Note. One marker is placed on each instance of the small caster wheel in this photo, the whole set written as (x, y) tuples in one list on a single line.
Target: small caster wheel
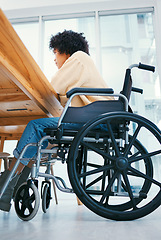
[(46, 197), (27, 201)]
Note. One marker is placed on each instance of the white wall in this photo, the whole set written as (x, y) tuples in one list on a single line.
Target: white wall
[(17, 4)]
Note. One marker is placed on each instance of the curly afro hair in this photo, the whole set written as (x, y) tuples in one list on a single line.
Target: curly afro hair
[(69, 42)]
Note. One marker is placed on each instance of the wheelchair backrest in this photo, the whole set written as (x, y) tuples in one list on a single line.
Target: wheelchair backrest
[(127, 86), (86, 113)]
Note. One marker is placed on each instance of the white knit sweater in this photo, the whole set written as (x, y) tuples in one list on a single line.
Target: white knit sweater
[(78, 70)]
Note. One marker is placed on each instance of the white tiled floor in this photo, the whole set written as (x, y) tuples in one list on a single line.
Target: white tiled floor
[(67, 220)]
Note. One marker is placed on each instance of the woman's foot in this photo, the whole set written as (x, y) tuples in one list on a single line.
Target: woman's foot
[(5, 200)]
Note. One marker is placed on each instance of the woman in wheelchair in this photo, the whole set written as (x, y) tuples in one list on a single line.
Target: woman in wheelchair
[(75, 69), (111, 166)]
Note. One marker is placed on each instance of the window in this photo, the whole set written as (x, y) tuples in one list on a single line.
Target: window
[(29, 34), (52, 27), (125, 40)]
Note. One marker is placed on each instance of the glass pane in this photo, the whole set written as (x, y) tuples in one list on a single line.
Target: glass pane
[(83, 25), (29, 34), (126, 40)]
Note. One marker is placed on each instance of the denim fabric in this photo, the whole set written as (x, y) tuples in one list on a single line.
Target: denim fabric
[(33, 132)]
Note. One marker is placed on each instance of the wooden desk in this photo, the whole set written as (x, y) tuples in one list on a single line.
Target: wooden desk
[(25, 93)]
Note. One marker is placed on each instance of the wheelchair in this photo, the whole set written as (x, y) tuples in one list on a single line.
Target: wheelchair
[(112, 167)]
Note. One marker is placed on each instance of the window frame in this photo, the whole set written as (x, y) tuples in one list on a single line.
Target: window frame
[(96, 9)]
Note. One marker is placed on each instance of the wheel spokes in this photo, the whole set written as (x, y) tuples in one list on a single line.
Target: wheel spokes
[(23, 208), (30, 208), (113, 139), (96, 150), (98, 170), (26, 201), (128, 187), (108, 189), (128, 147), (94, 182), (142, 175), (144, 156)]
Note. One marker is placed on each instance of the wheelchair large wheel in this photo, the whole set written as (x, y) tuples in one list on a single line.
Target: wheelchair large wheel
[(110, 166), (27, 201)]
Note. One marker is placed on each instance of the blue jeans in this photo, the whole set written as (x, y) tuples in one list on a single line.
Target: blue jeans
[(33, 132)]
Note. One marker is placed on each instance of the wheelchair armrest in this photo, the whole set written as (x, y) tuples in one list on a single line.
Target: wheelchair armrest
[(89, 90), (83, 91)]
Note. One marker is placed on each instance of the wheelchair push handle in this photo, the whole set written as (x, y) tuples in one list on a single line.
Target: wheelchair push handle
[(146, 67), (142, 66)]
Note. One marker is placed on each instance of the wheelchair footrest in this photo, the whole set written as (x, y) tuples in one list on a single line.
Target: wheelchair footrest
[(57, 181)]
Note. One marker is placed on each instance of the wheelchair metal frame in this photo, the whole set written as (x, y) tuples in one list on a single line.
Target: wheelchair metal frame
[(35, 169), (68, 139)]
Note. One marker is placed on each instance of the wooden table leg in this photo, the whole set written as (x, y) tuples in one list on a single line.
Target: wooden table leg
[(52, 172), (1, 149)]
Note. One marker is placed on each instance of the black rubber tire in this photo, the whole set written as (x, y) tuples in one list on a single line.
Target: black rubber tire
[(27, 201), (134, 207), (46, 198)]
